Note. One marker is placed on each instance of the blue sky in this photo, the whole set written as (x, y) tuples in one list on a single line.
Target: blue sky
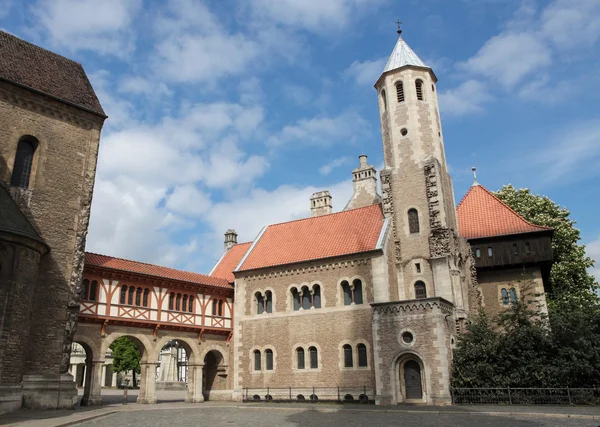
[(231, 113)]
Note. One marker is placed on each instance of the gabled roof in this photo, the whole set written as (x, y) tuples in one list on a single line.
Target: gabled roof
[(326, 236), (401, 56), (229, 261), (39, 69), (97, 260), (481, 214), (13, 221)]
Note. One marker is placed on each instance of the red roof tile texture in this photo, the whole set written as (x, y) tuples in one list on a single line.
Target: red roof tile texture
[(325, 236), (229, 261), (113, 263), (481, 214)]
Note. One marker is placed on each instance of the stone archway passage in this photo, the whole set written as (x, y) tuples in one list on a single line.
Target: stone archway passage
[(212, 361), (412, 380)]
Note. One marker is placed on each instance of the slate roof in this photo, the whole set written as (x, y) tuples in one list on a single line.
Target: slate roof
[(229, 261), (401, 56), (13, 221), (481, 214), (343, 233), (39, 69), (92, 259)]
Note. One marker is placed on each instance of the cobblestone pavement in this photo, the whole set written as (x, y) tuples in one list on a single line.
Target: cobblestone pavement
[(284, 417)]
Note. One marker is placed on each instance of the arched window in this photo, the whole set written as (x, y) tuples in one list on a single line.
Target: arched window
[(178, 302), (138, 297), (85, 285), (146, 294), (347, 293), (513, 295), (420, 290), (184, 303), (260, 303), (93, 291), (296, 298), (357, 295), (256, 360), (362, 355), (269, 302), (504, 293), (130, 297), (348, 356), (306, 298), (316, 296), (400, 91), (384, 99), (123, 294), (220, 307), (171, 300), (269, 360), (191, 304), (23, 162), (214, 307), (413, 221), (419, 87), (314, 359), (300, 357)]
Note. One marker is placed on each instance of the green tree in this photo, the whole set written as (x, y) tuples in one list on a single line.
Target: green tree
[(569, 278), (126, 356)]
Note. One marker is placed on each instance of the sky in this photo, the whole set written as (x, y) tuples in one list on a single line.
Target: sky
[(231, 113)]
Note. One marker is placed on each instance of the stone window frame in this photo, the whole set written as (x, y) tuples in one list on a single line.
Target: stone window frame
[(263, 292), (397, 82), (263, 359), (401, 341), (310, 285), (406, 226), (307, 367), (508, 287), (354, 344), (413, 292), (38, 149), (417, 80), (350, 280)]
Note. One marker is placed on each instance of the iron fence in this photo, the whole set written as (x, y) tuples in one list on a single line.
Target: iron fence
[(310, 394), (527, 396)]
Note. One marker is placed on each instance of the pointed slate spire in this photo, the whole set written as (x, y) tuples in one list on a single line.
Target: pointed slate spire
[(402, 55)]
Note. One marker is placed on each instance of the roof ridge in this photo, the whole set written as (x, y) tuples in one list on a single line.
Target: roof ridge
[(326, 215), (147, 263)]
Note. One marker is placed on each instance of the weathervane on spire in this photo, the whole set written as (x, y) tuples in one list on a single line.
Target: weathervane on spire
[(398, 22)]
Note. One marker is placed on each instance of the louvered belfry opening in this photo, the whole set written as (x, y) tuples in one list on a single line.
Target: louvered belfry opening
[(419, 86), (400, 91)]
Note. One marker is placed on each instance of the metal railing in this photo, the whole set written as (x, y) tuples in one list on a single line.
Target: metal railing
[(527, 396), (310, 394)]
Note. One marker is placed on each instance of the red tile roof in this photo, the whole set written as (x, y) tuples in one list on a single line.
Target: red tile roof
[(481, 214), (229, 261), (325, 236), (152, 270)]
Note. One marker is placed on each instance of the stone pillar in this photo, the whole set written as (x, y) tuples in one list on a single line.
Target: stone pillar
[(73, 371), (93, 390), (87, 381), (148, 385), (114, 380), (195, 380), (103, 376)]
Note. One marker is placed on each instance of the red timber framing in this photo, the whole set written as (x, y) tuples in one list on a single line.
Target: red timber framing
[(156, 311)]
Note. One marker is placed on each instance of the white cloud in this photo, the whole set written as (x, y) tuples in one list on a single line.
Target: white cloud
[(335, 163), (593, 251), (468, 98), (572, 24), (103, 27), (366, 72), (188, 200), (142, 86)]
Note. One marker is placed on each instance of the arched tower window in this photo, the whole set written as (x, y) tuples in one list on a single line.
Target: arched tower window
[(306, 298), (23, 162), (362, 355), (316, 296), (420, 290), (384, 99), (347, 293), (269, 302), (269, 360), (413, 221), (296, 298), (260, 303), (347, 356), (300, 357), (419, 87), (314, 357), (400, 91), (256, 360)]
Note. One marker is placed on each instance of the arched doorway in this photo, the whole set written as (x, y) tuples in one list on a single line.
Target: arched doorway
[(211, 378), (174, 380), (413, 385)]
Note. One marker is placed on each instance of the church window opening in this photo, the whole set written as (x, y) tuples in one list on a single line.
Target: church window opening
[(123, 294), (300, 357), (477, 253), (348, 356), (407, 337), (269, 302), (257, 360), (400, 91), (347, 293), (269, 360), (384, 99), (23, 162), (413, 221), (504, 294), (419, 87), (362, 355), (314, 357), (260, 303), (513, 295), (146, 294), (420, 290), (130, 296), (316, 296), (306, 298), (357, 295), (490, 252), (296, 298), (418, 267)]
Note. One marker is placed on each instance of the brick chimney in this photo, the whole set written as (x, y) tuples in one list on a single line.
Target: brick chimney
[(364, 178), (230, 239), (320, 203)]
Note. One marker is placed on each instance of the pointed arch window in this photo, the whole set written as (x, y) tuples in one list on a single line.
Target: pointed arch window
[(400, 91), (420, 290), (419, 88), (23, 162), (413, 221), (362, 355), (504, 294), (348, 356)]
